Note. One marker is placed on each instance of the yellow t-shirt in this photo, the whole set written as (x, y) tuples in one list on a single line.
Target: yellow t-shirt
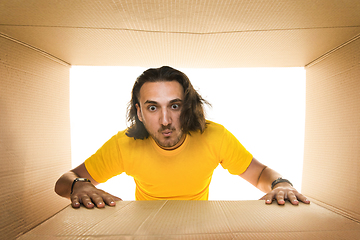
[(180, 174)]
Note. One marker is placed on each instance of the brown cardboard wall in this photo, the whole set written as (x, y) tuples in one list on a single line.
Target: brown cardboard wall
[(183, 33), (34, 135), (332, 135), (208, 220)]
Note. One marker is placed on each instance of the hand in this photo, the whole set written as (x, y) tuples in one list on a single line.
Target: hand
[(87, 194), (282, 192)]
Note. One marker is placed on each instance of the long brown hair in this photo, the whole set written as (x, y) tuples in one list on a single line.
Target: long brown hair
[(192, 117)]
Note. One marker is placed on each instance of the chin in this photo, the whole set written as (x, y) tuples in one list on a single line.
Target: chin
[(167, 144)]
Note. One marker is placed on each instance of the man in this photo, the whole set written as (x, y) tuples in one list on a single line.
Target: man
[(170, 149)]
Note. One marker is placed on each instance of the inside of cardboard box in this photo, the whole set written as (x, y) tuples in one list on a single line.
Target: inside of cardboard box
[(40, 40), (198, 220)]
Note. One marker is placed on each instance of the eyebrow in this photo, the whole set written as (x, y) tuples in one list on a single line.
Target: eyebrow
[(154, 102), (176, 100), (150, 102)]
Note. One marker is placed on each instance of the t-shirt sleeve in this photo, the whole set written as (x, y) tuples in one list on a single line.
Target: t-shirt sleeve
[(233, 155), (106, 162)]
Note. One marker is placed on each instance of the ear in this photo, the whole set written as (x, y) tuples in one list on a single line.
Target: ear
[(138, 111)]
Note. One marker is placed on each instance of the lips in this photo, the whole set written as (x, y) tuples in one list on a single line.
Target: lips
[(166, 133)]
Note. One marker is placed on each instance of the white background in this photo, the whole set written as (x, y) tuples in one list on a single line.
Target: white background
[(263, 107)]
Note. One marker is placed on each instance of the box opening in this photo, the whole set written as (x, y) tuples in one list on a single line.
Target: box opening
[(267, 116)]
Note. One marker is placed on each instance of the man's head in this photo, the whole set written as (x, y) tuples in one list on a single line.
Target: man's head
[(165, 105)]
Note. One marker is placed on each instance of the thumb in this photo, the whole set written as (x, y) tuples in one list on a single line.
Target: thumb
[(263, 197), (116, 198)]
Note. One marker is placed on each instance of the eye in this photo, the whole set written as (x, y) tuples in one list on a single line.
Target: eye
[(175, 106), (152, 108)]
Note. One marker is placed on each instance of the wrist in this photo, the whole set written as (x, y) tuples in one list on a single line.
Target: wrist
[(78, 180), (280, 182)]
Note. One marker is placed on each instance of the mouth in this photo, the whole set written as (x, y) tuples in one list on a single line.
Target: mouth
[(166, 133)]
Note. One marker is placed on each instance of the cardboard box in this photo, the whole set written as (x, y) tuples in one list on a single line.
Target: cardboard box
[(40, 40), (197, 220)]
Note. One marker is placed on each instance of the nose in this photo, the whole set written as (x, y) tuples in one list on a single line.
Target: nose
[(165, 118)]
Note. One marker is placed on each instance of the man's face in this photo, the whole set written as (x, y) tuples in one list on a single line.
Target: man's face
[(159, 111)]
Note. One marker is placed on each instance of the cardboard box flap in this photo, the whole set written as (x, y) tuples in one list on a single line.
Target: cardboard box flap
[(332, 133), (196, 220), (182, 33), (34, 136)]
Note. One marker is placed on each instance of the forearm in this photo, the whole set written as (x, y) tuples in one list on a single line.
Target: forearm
[(84, 192), (283, 189), (266, 178), (63, 185), (262, 177)]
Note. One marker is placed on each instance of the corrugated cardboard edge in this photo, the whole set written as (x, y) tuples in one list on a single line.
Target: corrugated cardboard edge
[(324, 56), (198, 220), (48, 55), (352, 216), (30, 229)]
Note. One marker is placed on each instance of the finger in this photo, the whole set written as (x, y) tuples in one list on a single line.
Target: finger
[(110, 200), (116, 198), (302, 198), (86, 201), (268, 198), (280, 197), (75, 203), (292, 198), (97, 200)]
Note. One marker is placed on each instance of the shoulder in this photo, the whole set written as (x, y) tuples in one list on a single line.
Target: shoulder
[(216, 130), (213, 127), (213, 131), (121, 135), (119, 139), (123, 139)]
